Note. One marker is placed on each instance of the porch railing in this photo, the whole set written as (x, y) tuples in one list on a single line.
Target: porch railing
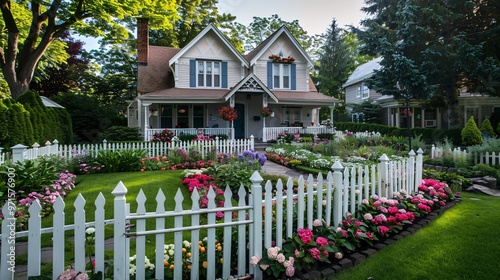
[(271, 133), (148, 135)]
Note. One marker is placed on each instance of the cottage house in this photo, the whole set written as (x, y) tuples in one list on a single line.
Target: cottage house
[(420, 114), (183, 89)]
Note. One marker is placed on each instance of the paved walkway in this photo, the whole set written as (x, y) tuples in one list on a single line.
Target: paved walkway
[(277, 169)]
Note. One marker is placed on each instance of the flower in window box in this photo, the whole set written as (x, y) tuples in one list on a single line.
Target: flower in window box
[(265, 112), (406, 113), (228, 113)]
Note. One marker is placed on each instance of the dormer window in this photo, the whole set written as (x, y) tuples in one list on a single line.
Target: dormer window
[(209, 73)]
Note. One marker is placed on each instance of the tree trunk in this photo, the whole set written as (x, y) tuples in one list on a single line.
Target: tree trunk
[(452, 117)]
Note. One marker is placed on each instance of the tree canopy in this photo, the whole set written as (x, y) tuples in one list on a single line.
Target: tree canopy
[(433, 48), (32, 29)]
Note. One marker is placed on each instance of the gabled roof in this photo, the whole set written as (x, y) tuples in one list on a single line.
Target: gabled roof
[(256, 53), (363, 72), (49, 103), (251, 83), (218, 33), (155, 76)]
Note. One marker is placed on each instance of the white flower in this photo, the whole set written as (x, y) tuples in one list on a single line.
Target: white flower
[(90, 230)]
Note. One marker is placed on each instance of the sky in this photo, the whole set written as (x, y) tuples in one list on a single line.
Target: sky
[(315, 16)]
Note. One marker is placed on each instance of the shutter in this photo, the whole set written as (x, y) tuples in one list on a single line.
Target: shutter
[(192, 73), (269, 75), (224, 74), (293, 77)]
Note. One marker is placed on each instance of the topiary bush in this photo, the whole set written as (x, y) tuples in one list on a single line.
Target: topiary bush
[(471, 135), (486, 127)]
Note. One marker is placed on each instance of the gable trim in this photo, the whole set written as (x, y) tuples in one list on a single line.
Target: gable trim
[(275, 37), (246, 79), (218, 33)]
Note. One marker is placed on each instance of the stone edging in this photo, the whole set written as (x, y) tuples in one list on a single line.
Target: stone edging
[(359, 257)]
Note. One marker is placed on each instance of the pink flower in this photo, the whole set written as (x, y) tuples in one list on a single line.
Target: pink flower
[(317, 223), (315, 253), (254, 260), (321, 241), (368, 216), (280, 258), (383, 230), (305, 235), (272, 253), (290, 271)]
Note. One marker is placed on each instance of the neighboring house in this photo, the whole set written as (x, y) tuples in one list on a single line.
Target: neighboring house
[(394, 111), (183, 89)]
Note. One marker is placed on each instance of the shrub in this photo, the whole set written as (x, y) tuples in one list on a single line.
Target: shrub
[(121, 133), (471, 135), (165, 136), (327, 136), (486, 127), (120, 160)]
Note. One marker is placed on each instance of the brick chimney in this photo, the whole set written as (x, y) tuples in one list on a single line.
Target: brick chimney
[(142, 41)]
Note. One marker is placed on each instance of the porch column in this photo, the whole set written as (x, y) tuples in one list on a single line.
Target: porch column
[(139, 116), (331, 113), (146, 120)]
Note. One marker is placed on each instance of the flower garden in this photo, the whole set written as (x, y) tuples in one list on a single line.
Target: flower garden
[(308, 249)]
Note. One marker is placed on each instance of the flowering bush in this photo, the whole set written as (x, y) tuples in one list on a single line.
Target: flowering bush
[(302, 251), (202, 183), (165, 136), (71, 274), (265, 112), (228, 113)]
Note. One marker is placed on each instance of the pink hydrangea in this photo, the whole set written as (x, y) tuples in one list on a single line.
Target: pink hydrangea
[(321, 241), (290, 271), (315, 253), (305, 235), (254, 260), (272, 253)]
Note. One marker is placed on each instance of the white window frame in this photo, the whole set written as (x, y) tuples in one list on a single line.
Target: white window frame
[(281, 74), (212, 77), (365, 91), (358, 91)]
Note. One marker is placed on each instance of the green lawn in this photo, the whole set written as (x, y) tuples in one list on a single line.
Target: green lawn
[(463, 243)]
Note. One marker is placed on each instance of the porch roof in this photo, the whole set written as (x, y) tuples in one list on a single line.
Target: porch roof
[(196, 95), (173, 95)]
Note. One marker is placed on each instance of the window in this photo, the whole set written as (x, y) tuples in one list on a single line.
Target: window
[(358, 91), (198, 116), (166, 115), (281, 75), (292, 116), (182, 116), (209, 73), (365, 92)]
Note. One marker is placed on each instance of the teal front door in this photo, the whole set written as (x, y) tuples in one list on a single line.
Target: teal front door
[(239, 123)]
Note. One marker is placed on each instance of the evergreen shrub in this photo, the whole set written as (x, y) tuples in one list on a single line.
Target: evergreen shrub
[(471, 135)]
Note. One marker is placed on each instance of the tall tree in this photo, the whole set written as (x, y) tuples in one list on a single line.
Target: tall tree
[(64, 77), (193, 17), (261, 28), (431, 48), (336, 62), (31, 27)]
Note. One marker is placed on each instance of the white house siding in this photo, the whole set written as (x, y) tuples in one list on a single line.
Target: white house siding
[(350, 94), (285, 46), (210, 48)]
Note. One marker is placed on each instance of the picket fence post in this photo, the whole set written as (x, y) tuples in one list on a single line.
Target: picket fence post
[(411, 172), (419, 167), (337, 196), (120, 240), (256, 201), (18, 153), (384, 174)]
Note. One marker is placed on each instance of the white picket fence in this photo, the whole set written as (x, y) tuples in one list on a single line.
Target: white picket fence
[(234, 146), (327, 199), (489, 158)]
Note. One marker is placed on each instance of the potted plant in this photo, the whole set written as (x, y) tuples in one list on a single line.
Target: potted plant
[(265, 112), (228, 113)]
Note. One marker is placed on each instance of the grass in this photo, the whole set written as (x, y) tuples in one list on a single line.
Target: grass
[(460, 244)]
